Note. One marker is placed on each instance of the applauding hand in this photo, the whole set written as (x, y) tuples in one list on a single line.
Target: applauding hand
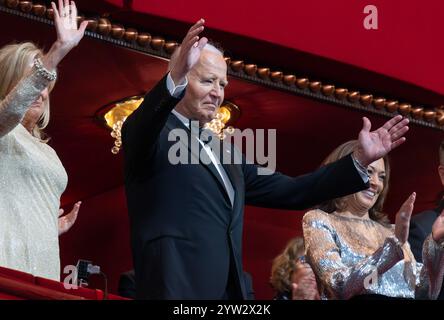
[(402, 223)]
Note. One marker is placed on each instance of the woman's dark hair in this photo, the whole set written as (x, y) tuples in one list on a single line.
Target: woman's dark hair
[(338, 204)]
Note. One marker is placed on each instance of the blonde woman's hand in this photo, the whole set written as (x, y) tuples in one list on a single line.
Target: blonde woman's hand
[(68, 34), (68, 220), (65, 21)]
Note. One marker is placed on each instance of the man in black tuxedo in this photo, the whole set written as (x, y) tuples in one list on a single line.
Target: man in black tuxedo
[(421, 224), (187, 219)]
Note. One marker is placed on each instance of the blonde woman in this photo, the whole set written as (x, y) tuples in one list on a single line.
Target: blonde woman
[(356, 253), (32, 176)]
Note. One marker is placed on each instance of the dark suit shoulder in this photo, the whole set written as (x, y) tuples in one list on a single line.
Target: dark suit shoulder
[(424, 219), (420, 228)]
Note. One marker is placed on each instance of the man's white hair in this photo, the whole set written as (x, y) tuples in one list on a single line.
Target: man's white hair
[(208, 47), (212, 48)]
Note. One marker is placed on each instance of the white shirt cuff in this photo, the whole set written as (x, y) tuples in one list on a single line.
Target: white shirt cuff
[(361, 170), (174, 90)]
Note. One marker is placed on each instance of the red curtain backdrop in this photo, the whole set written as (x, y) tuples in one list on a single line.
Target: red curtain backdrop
[(408, 46)]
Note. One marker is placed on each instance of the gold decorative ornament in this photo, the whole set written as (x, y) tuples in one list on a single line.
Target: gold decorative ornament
[(440, 118), (353, 96), (379, 103), (237, 65), (50, 13), (328, 90), (366, 100), (263, 73), (118, 112), (130, 35), (92, 24), (170, 47), (117, 31), (341, 93), (25, 6), (289, 79), (404, 109), (276, 76), (157, 43), (250, 69), (104, 27), (12, 3), (143, 39), (417, 112), (39, 10), (302, 83), (429, 116), (392, 106)]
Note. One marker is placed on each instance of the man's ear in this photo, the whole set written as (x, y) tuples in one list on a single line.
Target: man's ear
[(441, 173)]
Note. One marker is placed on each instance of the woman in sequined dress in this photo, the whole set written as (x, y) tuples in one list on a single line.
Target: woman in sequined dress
[(32, 176), (355, 251)]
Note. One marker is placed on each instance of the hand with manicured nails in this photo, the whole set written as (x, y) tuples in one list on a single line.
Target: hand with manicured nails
[(68, 34), (402, 223), (65, 21)]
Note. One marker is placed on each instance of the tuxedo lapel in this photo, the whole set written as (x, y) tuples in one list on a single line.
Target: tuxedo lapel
[(174, 123), (234, 174)]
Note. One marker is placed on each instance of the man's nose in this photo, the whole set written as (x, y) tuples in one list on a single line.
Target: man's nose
[(216, 91)]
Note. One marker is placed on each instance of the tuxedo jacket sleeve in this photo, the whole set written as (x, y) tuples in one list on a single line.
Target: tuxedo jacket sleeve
[(142, 128), (283, 192), (141, 131)]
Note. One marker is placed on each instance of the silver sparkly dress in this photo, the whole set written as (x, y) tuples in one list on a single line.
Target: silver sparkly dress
[(32, 179), (354, 256)]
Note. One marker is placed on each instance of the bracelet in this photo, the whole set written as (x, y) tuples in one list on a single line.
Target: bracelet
[(43, 72)]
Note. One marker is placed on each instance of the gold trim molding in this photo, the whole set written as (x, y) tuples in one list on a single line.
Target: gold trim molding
[(105, 30)]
